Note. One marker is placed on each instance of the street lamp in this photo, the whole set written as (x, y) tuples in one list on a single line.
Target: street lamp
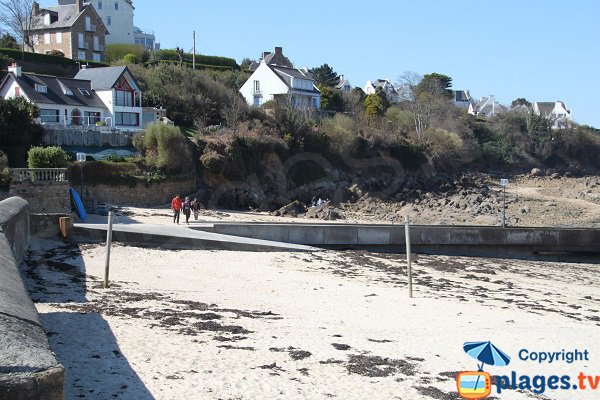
[(81, 159)]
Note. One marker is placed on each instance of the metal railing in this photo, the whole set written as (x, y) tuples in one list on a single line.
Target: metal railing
[(38, 174)]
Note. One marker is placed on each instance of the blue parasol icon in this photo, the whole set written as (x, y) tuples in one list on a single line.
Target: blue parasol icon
[(487, 353)]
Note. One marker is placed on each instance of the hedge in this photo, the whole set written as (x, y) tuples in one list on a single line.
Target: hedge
[(45, 58), (190, 65), (47, 157), (208, 61)]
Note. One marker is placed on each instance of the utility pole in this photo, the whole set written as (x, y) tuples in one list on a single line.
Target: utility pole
[(194, 56)]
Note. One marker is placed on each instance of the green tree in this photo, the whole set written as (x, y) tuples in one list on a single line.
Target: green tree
[(245, 64), (18, 131), (331, 99), (165, 148), (520, 102), (325, 75), (374, 106), (436, 85), (8, 41)]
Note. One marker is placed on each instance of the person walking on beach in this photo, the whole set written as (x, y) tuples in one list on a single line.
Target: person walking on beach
[(187, 209), (195, 208), (176, 207)]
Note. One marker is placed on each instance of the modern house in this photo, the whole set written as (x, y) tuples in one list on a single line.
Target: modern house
[(108, 96), (556, 111), (75, 29), (462, 98), (487, 107), (275, 77), (387, 87), (117, 15)]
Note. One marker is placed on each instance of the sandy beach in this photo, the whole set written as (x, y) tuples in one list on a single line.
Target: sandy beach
[(231, 325)]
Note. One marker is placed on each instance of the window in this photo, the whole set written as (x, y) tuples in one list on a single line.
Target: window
[(81, 55), (81, 40), (59, 37), (96, 43), (47, 38), (17, 91), (49, 115), (91, 117), (47, 19), (256, 102), (108, 20), (84, 91), (88, 23), (99, 5), (41, 88), (127, 119), (116, 6), (97, 57), (256, 86), (124, 98)]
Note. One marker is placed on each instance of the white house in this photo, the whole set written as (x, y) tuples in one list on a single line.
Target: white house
[(555, 111), (275, 77), (109, 95), (386, 86), (487, 106)]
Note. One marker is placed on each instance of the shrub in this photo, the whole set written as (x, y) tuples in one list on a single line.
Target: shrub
[(210, 61), (4, 171), (56, 53), (445, 147), (45, 58), (131, 58), (47, 157), (118, 52), (342, 133), (116, 158), (165, 148)]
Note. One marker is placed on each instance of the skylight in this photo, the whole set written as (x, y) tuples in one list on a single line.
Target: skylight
[(41, 88), (84, 91)]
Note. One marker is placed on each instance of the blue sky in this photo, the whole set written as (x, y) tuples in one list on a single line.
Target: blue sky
[(541, 50)]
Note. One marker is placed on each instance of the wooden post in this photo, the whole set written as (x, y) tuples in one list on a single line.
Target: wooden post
[(409, 268), (108, 244)]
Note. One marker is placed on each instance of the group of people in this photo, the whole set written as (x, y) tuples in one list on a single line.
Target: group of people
[(317, 202), (186, 206)]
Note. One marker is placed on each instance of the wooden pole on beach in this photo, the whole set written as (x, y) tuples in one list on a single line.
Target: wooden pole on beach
[(409, 269), (108, 244)]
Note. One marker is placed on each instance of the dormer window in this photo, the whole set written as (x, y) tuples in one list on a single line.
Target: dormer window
[(84, 91), (68, 92), (47, 19), (41, 88)]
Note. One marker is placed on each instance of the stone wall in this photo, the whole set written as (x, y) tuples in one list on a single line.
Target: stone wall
[(44, 197), (140, 195), (99, 137), (29, 369)]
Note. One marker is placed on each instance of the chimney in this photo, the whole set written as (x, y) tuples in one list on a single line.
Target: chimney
[(15, 69), (279, 51), (35, 8), (264, 54), (80, 5)]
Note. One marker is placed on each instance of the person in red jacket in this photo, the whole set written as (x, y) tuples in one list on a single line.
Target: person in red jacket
[(176, 207)]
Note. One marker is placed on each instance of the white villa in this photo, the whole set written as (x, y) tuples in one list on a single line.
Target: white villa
[(108, 95), (388, 88), (556, 111), (276, 77), (487, 106)]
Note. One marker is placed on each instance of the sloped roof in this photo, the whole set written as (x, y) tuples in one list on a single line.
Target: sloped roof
[(545, 107), (462, 95), (104, 78), (286, 75), (67, 15), (55, 92), (279, 60)]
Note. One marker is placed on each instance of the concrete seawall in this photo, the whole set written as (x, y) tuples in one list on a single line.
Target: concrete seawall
[(28, 368), (435, 239)]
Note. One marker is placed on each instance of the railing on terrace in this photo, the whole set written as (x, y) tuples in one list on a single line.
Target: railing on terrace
[(38, 174)]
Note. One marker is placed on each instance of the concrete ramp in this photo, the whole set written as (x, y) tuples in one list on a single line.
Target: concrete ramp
[(180, 236)]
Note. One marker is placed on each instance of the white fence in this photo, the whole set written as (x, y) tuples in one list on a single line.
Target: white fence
[(38, 175)]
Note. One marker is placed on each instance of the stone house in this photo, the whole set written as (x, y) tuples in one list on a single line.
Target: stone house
[(75, 29)]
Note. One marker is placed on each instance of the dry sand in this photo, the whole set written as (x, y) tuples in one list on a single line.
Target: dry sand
[(195, 324)]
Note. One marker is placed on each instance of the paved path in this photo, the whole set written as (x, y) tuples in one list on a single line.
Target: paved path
[(172, 236)]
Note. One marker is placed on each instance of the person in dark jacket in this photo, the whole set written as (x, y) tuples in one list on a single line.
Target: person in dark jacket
[(195, 208), (186, 207)]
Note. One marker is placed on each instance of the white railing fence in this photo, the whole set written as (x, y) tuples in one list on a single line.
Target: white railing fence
[(38, 175)]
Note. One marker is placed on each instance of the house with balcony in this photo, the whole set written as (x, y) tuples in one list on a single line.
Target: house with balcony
[(74, 29), (97, 96), (275, 77)]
